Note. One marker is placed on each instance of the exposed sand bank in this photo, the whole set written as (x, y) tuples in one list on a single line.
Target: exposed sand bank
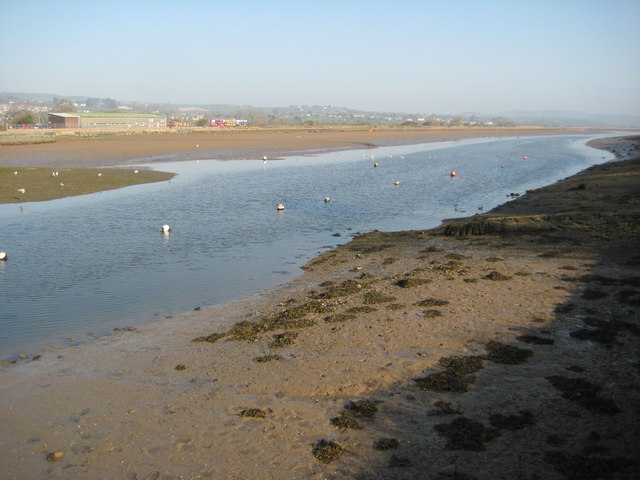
[(224, 144), (554, 275)]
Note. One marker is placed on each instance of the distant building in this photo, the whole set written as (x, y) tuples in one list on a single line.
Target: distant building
[(106, 120)]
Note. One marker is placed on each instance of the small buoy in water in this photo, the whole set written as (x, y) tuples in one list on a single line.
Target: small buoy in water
[(165, 229), (524, 158), (3, 256), (327, 200), (397, 183), (453, 173), (375, 164), (280, 206)]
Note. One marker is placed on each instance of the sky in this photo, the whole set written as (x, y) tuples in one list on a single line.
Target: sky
[(422, 56)]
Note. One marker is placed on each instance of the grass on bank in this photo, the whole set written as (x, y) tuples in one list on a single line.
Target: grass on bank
[(40, 184)]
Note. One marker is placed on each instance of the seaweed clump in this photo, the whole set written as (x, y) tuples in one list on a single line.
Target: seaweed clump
[(386, 444), (343, 289), (340, 317), (447, 381), (432, 302), (411, 282), (466, 434), (361, 409), (326, 451), (456, 378), (535, 340), (584, 393), (373, 297), (462, 365), (267, 358), (512, 422), (354, 411), (497, 277), (282, 340), (253, 413), (506, 354)]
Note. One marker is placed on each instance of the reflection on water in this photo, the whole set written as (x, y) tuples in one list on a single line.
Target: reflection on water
[(92, 263)]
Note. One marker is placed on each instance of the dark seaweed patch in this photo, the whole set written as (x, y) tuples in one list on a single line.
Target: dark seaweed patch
[(386, 444), (584, 393), (455, 256), (512, 422), (535, 340), (253, 413), (495, 259), (462, 365), (446, 381), (411, 282), (326, 451), (431, 302), (431, 249), (363, 309), (497, 277), (282, 340), (340, 317), (373, 297), (431, 313), (395, 306), (361, 409), (213, 338), (267, 358), (389, 261), (343, 289), (181, 366), (466, 434), (506, 354), (346, 422)]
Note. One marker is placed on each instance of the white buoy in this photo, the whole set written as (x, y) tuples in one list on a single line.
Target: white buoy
[(135, 171), (327, 199), (280, 207), (396, 183), (3, 256), (22, 190), (100, 174), (15, 173), (165, 229)]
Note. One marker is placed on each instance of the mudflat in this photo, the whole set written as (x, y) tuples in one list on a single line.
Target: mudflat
[(91, 149), (504, 345)]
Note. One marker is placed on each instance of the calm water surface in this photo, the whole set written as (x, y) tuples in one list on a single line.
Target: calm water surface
[(81, 266)]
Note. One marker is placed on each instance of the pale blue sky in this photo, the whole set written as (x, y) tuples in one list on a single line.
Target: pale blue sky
[(487, 56)]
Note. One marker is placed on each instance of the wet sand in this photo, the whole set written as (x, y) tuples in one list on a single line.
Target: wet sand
[(504, 345), (79, 151)]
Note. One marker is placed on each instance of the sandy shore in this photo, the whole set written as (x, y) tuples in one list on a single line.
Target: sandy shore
[(224, 144), (500, 346)]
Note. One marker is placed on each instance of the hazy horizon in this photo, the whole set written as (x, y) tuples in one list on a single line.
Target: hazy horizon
[(405, 56)]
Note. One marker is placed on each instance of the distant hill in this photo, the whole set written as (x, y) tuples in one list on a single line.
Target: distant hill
[(342, 115), (558, 118)]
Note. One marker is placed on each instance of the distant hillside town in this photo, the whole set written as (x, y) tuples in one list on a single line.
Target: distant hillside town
[(30, 110)]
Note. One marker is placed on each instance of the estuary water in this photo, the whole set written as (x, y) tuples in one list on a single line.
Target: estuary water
[(80, 267)]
